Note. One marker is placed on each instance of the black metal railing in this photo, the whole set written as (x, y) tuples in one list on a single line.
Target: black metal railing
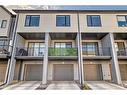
[(33, 51), (4, 49), (100, 51), (63, 51)]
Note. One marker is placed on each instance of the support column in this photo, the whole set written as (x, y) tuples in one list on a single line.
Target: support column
[(115, 65), (108, 41), (80, 58), (12, 62), (45, 63)]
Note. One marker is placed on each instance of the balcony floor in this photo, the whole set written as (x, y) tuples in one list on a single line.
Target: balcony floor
[(30, 57), (97, 57)]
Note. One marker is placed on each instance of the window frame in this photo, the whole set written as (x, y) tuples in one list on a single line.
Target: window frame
[(65, 21), (3, 23), (92, 22), (29, 25), (125, 19)]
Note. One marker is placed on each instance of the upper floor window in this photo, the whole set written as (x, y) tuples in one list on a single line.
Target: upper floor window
[(122, 21), (93, 21), (4, 24), (32, 20), (62, 20)]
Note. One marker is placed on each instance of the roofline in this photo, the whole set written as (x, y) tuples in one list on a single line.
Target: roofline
[(7, 10), (38, 11)]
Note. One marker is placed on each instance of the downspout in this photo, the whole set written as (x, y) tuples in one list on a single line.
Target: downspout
[(80, 54)]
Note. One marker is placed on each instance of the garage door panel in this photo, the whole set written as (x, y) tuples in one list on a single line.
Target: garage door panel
[(3, 68), (34, 72), (63, 72), (92, 72), (123, 71)]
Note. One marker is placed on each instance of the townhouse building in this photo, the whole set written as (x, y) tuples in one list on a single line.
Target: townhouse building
[(6, 31), (69, 45)]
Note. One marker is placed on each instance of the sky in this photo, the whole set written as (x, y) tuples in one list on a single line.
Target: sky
[(70, 7)]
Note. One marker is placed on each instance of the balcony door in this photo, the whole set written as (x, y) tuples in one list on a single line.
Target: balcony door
[(120, 48), (61, 48), (63, 45), (90, 48), (36, 49)]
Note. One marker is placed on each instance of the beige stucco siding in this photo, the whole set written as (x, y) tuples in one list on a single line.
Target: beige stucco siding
[(47, 23), (4, 16), (108, 21)]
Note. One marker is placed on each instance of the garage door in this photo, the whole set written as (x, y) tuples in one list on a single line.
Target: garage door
[(92, 72), (2, 72), (34, 72), (123, 71), (63, 72)]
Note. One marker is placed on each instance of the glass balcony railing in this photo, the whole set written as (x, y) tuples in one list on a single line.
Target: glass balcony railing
[(62, 51), (33, 51), (101, 51)]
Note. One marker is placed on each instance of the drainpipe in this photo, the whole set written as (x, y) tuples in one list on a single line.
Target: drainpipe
[(80, 54)]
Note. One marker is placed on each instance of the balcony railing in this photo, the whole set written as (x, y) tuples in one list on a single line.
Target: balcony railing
[(4, 49), (101, 51), (25, 51), (62, 51), (122, 52)]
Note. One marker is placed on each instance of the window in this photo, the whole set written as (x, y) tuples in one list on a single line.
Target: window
[(93, 21), (122, 21), (90, 48), (36, 49), (4, 23), (63, 20), (63, 45), (32, 20)]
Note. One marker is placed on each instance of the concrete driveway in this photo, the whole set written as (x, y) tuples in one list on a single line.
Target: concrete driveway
[(24, 85), (102, 85), (63, 85)]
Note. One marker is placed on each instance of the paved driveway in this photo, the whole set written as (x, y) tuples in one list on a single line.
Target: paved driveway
[(63, 85), (101, 85), (24, 85)]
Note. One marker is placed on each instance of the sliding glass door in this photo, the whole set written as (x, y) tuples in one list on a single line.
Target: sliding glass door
[(36, 49)]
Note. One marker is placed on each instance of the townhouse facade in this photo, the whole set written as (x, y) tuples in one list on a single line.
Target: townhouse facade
[(7, 20), (69, 45)]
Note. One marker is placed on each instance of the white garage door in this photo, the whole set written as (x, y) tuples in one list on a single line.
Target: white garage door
[(92, 72), (63, 72), (34, 72), (3, 68)]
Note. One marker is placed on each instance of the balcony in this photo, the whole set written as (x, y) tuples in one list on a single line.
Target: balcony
[(122, 53), (65, 53), (4, 51), (100, 53), (30, 53)]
